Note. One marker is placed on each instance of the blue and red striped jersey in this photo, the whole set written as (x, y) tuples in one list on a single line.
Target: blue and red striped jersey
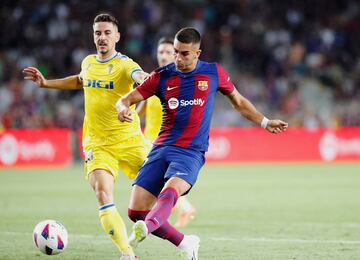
[(188, 102)]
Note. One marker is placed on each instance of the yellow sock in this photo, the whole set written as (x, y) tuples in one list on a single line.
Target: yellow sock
[(113, 225)]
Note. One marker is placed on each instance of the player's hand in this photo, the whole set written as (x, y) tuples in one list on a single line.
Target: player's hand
[(140, 77), (125, 115), (276, 126), (35, 75), (124, 112)]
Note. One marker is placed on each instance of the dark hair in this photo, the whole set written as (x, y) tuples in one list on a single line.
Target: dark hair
[(188, 35), (163, 40), (106, 18)]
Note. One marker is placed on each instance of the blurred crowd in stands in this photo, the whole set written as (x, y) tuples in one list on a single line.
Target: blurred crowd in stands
[(295, 60)]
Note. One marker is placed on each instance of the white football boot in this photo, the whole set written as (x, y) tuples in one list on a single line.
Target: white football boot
[(190, 245), (128, 257), (139, 233)]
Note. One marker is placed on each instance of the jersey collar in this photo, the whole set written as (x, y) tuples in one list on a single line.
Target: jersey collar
[(106, 60), (190, 72)]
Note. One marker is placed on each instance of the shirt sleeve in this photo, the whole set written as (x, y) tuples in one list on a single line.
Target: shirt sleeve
[(81, 74), (150, 86), (226, 87), (131, 68)]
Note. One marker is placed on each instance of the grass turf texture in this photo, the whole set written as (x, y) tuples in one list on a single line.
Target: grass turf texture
[(244, 212)]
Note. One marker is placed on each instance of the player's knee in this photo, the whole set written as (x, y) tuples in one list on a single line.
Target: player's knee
[(103, 196)]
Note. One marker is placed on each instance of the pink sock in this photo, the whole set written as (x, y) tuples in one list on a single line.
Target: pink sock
[(162, 210), (165, 231)]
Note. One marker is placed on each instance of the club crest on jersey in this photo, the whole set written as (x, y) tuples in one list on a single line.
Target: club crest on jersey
[(110, 67), (203, 85)]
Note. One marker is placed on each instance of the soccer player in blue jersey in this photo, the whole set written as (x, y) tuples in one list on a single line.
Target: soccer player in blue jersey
[(187, 90), (153, 111)]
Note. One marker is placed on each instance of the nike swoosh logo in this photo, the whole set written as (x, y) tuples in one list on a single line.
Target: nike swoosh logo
[(180, 173), (156, 221), (171, 88)]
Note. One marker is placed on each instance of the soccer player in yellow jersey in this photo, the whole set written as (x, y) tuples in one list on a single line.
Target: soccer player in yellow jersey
[(153, 110), (109, 145)]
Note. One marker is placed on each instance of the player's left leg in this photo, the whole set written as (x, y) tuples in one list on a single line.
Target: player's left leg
[(102, 183), (181, 175), (165, 202), (156, 220), (146, 188), (140, 205)]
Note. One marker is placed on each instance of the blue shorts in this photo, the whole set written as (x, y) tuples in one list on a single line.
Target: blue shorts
[(164, 162)]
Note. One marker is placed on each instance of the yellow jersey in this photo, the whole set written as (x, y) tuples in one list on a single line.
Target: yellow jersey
[(153, 118), (104, 82)]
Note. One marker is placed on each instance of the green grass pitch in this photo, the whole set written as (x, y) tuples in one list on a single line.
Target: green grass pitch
[(244, 212)]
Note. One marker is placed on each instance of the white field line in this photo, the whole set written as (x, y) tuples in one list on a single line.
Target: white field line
[(352, 225), (100, 238), (97, 239), (286, 240)]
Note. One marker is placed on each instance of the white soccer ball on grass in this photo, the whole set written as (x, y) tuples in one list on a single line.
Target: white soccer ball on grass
[(50, 237)]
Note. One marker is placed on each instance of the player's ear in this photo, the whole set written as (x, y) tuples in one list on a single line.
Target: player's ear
[(118, 36), (198, 52)]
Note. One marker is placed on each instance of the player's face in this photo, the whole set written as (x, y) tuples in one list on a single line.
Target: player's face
[(106, 36), (186, 55), (165, 54)]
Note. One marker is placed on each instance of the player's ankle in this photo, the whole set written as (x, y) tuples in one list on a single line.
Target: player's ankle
[(128, 251), (185, 243)]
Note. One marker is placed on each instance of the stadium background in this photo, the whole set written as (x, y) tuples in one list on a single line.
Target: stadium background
[(295, 60)]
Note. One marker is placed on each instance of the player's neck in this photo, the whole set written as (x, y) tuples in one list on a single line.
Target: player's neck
[(190, 68), (107, 55)]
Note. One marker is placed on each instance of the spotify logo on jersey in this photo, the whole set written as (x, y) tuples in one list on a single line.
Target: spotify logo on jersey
[(173, 103)]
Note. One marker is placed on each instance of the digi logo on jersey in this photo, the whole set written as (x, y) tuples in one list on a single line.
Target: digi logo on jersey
[(174, 102), (93, 83)]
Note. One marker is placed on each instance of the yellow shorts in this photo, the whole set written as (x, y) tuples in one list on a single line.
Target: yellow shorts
[(128, 156)]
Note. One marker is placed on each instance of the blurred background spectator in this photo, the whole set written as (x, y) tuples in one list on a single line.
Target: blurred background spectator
[(296, 60)]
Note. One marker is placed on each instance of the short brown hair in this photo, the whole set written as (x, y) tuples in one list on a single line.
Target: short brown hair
[(188, 35), (106, 18), (168, 40)]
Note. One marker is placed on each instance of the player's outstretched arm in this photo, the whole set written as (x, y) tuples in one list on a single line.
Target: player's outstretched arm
[(248, 110), (71, 82), (140, 76), (124, 103)]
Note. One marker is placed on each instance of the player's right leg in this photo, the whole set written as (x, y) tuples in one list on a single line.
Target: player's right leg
[(141, 201)]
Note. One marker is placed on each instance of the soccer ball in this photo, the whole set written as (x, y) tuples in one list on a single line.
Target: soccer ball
[(50, 237)]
